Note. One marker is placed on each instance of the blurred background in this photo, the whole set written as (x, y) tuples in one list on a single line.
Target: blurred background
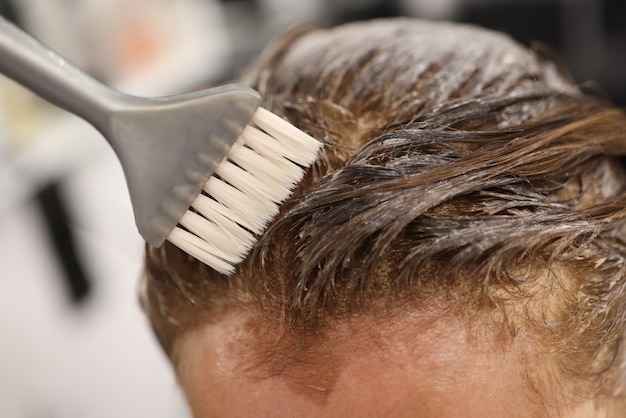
[(73, 340)]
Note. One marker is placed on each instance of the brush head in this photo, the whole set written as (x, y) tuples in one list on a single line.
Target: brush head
[(245, 192), (169, 147)]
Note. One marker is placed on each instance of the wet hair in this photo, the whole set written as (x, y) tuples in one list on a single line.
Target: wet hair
[(458, 166)]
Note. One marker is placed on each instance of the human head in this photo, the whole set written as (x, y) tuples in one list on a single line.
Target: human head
[(458, 247)]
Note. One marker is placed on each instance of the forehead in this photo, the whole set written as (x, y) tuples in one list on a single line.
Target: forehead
[(419, 365)]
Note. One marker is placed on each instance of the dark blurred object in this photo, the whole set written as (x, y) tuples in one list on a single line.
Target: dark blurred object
[(56, 218), (7, 10), (347, 11), (614, 17), (525, 21)]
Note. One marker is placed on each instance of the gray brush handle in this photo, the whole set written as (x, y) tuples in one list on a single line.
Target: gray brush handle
[(168, 147), (30, 63)]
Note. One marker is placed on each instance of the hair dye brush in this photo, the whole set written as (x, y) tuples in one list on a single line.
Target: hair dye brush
[(205, 170)]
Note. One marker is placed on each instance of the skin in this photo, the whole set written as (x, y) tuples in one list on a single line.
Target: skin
[(420, 365)]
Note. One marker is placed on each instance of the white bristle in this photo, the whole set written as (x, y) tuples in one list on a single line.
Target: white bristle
[(250, 184), (230, 242), (264, 167), (200, 249), (304, 147), (238, 202), (211, 209), (255, 178), (270, 147)]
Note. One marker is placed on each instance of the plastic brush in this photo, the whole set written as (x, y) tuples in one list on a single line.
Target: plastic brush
[(205, 170)]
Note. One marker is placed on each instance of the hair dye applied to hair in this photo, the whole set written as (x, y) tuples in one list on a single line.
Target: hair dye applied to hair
[(459, 169)]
